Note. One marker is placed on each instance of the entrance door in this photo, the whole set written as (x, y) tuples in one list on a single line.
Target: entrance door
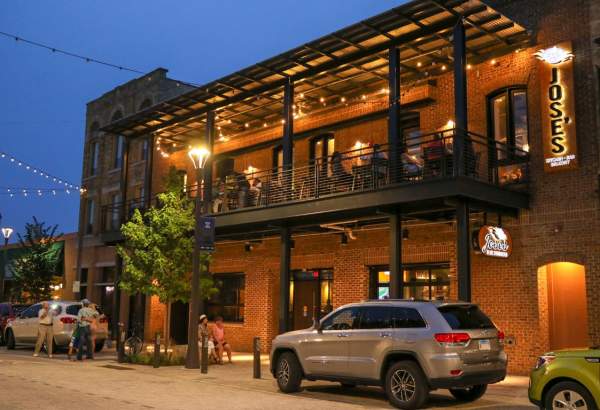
[(310, 292), (305, 294), (179, 322), (567, 305)]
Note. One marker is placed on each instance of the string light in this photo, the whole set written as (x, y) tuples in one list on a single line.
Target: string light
[(16, 192), (39, 172)]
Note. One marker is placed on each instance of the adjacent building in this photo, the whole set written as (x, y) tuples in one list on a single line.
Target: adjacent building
[(439, 150)]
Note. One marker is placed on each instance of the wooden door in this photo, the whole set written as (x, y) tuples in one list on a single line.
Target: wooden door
[(567, 305), (305, 298)]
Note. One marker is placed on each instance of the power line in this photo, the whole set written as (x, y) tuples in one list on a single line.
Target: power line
[(70, 54), (81, 57)]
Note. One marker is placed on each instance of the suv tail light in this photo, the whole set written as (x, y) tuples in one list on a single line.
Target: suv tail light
[(68, 320), (501, 336), (459, 339)]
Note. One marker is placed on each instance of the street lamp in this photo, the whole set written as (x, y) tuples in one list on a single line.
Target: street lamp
[(6, 233), (198, 156)]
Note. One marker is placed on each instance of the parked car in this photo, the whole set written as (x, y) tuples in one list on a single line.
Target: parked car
[(23, 328), (567, 379), (407, 347), (8, 311)]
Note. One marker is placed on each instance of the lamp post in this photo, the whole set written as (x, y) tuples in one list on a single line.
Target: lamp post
[(6, 233), (198, 156)]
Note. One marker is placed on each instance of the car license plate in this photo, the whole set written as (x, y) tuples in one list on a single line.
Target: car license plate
[(484, 344)]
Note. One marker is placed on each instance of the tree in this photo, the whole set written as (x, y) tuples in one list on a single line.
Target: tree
[(38, 268), (157, 252)]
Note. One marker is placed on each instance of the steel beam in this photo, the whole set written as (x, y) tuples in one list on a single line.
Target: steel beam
[(284, 279), (460, 98), (394, 125), (396, 279), (463, 250)]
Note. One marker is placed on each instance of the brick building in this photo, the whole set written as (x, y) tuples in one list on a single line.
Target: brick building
[(108, 160), (438, 150)]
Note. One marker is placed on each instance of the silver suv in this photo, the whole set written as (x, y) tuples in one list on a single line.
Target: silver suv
[(407, 347)]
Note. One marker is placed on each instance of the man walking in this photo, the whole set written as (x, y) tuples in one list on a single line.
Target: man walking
[(45, 333), (85, 317)]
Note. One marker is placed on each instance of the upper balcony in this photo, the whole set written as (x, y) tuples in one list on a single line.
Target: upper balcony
[(361, 180)]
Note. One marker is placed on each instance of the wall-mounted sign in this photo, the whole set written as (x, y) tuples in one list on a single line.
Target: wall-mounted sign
[(495, 241), (558, 108)]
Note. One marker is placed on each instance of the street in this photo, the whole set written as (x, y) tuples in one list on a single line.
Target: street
[(29, 383)]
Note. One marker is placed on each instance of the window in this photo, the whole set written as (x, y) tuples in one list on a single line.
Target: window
[(108, 275), (32, 311), (464, 317), (144, 149), (376, 317), (229, 301), (115, 212), (321, 150), (90, 211), (508, 124), (425, 282), (406, 318), (343, 320), (94, 158), (83, 283), (73, 310), (119, 148)]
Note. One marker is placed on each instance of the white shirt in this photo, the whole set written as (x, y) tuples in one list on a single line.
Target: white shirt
[(45, 320)]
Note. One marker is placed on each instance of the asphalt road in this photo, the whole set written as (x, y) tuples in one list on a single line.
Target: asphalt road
[(28, 383)]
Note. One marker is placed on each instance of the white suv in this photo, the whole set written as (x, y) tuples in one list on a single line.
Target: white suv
[(24, 328)]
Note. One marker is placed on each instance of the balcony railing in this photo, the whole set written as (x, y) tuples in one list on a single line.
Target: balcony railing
[(421, 158)]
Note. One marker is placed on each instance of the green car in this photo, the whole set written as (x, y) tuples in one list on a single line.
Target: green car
[(567, 379)]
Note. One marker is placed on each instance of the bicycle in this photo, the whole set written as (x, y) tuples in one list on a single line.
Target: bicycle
[(134, 344)]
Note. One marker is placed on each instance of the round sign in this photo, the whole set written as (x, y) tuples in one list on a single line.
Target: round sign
[(495, 241)]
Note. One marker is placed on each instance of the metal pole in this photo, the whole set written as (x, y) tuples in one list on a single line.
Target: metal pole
[(394, 125), (121, 344), (396, 271), (156, 363), (256, 350), (460, 97), (204, 362), (192, 359), (284, 280), (4, 263), (463, 251)]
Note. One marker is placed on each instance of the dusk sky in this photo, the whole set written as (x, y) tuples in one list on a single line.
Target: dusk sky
[(44, 94)]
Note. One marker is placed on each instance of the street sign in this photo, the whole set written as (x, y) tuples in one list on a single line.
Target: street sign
[(207, 233)]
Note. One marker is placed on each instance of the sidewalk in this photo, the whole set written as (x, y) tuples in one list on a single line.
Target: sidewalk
[(225, 386)]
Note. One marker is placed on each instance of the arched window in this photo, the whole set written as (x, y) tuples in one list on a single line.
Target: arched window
[(507, 120)]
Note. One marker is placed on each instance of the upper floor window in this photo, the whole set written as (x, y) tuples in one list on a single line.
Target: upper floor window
[(119, 148), (94, 158), (321, 151), (508, 125), (90, 216)]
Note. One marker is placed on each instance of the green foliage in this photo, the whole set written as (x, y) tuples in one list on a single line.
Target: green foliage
[(148, 359), (157, 252), (39, 266)]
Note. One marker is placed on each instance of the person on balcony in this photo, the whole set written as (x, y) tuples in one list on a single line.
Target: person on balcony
[(340, 179)]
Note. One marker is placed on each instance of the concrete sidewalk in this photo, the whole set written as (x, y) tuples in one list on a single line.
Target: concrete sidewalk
[(104, 383)]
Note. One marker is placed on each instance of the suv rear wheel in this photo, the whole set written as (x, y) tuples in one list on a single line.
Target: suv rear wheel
[(470, 393), (406, 386), (288, 373), (569, 395)]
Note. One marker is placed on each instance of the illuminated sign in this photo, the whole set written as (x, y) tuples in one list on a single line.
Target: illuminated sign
[(558, 108), (495, 241)]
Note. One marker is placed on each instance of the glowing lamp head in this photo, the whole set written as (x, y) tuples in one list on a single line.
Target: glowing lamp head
[(199, 156), (554, 55), (7, 232)]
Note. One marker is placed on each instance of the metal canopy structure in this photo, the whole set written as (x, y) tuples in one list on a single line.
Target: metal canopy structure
[(345, 67)]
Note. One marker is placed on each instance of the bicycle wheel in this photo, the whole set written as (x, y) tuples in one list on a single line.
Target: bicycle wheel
[(133, 346)]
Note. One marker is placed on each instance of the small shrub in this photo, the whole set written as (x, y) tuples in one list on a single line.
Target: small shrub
[(147, 359)]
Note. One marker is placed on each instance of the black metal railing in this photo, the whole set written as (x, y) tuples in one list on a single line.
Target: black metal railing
[(420, 158)]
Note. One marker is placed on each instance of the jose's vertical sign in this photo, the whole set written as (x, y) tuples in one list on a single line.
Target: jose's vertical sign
[(558, 108)]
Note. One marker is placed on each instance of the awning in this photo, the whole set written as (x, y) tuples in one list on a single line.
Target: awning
[(339, 68)]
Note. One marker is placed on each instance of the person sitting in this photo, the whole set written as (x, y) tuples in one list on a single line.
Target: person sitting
[(204, 331), (411, 165), (340, 179), (218, 336)]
